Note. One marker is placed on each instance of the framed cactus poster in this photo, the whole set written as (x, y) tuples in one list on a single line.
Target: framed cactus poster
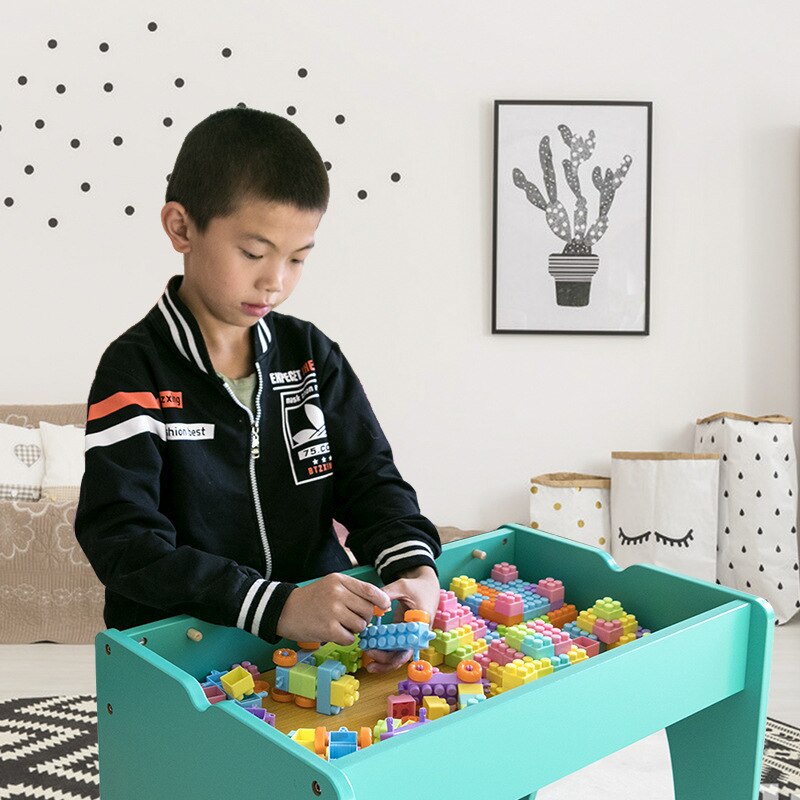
[(571, 250)]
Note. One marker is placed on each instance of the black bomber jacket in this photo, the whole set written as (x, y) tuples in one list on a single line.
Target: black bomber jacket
[(191, 504)]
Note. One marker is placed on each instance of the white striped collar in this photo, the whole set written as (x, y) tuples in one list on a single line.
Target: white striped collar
[(185, 334)]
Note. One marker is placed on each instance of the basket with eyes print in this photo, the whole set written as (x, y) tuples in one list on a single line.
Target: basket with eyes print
[(664, 510)]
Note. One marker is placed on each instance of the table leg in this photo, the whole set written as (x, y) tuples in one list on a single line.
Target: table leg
[(716, 753)]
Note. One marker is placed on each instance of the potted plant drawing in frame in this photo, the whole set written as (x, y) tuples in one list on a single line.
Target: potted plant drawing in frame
[(571, 217)]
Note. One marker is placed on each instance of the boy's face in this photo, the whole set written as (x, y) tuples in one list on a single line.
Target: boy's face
[(245, 264)]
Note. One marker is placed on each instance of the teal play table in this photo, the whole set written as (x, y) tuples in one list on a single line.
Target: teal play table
[(702, 674)]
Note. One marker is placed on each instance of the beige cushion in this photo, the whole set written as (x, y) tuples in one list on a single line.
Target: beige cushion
[(48, 590), (63, 447)]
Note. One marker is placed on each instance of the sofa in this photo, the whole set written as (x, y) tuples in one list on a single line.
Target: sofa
[(48, 590)]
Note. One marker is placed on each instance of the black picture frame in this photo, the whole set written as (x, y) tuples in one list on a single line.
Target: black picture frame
[(600, 281)]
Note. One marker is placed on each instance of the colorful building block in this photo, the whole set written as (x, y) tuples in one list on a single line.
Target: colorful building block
[(302, 681), (553, 590), (470, 693), (505, 572), (400, 705), (237, 683), (608, 631), (463, 586), (560, 616), (436, 707), (590, 646), (607, 609)]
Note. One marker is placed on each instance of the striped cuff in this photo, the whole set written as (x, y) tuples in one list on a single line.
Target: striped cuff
[(262, 606), (402, 556)]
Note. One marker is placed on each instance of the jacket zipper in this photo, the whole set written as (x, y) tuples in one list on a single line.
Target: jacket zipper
[(255, 452)]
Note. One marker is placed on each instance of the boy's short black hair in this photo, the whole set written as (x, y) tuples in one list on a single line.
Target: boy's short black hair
[(237, 153)]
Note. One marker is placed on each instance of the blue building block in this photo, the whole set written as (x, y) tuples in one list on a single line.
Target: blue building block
[(251, 700), (215, 676), (538, 646), (574, 631), (559, 662), (397, 636), (534, 605), (282, 678), (306, 657), (342, 743), (474, 601), (328, 671), (490, 636)]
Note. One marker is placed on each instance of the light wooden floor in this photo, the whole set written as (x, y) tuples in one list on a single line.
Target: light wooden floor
[(641, 770)]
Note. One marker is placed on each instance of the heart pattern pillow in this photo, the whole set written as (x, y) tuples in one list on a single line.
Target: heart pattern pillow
[(21, 463)]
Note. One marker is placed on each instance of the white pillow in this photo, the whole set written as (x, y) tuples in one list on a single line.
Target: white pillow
[(63, 461), (21, 462)]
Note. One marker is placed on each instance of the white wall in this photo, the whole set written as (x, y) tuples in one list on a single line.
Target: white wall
[(403, 279)]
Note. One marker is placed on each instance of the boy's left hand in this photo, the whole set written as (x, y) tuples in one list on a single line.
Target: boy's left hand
[(417, 588)]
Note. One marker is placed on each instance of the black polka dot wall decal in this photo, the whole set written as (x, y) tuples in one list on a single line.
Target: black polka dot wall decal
[(291, 110), (748, 584), (796, 566), (758, 493), (103, 47), (76, 143), (777, 512), (727, 530), (774, 438), (723, 421), (52, 222), (108, 87), (774, 474), (741, 476), (151, 26), (226, 52), (741, 512), (701, 440), (39, 123), (302, 72), (719, 582), (760, 567), (129, 210), (794, 530), (777, 548), (22, 80), (179, 82), (712, 440), (28, 169), (756, 424), (758, 457), (730, 565), (725, 493), (396, 177), (9, 201), (744, 549), (780, 585), (362, 194), (61, 88), (52, 44), (790, 492), (117, 140), (796, 605), (760, 531), (167, 121), (328, 166), (738, 438), (786, 457), (724, 457), (339, 119), (85, 187)]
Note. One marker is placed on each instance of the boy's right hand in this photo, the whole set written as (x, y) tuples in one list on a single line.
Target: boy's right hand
[(331, 609)]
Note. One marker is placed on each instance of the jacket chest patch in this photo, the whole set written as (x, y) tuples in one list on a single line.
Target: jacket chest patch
[(183, 431), (304, 430)]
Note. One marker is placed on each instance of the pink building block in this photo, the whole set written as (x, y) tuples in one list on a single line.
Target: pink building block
[(553, 590), (446, 620), (479, 629), (251, 668), (484, 660), (213, 693), (591, 646), (400, 705), (447, 600), (508, 604), (608, 631), (500, 652), (562, 642), (504, 572), (465, 615)]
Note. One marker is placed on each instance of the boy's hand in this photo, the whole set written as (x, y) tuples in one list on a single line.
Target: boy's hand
[(417, 588), (330, 609)]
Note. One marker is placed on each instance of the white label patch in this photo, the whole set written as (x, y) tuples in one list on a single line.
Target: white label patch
[(186, 432)]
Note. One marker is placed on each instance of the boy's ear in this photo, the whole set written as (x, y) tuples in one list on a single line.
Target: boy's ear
[(175, 221)]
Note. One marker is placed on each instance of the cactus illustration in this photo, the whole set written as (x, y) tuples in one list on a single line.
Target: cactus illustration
[(574, 277)]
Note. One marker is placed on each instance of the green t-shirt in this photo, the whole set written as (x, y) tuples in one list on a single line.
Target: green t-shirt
[(243, 388)]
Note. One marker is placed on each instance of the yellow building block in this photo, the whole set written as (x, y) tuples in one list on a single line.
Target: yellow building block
[(624, 639), (629, 624), (494, 673), (435, 707), (344, 691), (305, 737), (237, 683), (576, 654), (495, 689), (518, 673), (463, 586), (479, 646), (586, 620), (543, 667), (431, 655), (465, 635)]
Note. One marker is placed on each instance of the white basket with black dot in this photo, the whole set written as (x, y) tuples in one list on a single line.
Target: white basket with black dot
[(572, 505), (664, 509), (757, 536)]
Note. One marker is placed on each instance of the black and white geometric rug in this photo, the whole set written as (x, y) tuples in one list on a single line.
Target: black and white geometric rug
[(48, 751)]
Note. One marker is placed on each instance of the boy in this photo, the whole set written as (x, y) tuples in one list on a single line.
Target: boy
[(223, 437)]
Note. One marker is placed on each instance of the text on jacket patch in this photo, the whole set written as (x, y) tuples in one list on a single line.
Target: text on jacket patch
[(292, 375)]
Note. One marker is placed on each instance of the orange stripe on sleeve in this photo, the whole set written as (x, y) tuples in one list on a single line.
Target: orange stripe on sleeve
[(120, 400)]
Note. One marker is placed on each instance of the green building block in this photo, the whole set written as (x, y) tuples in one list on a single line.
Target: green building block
[(608, 609), (459, 654), (303, 680)]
